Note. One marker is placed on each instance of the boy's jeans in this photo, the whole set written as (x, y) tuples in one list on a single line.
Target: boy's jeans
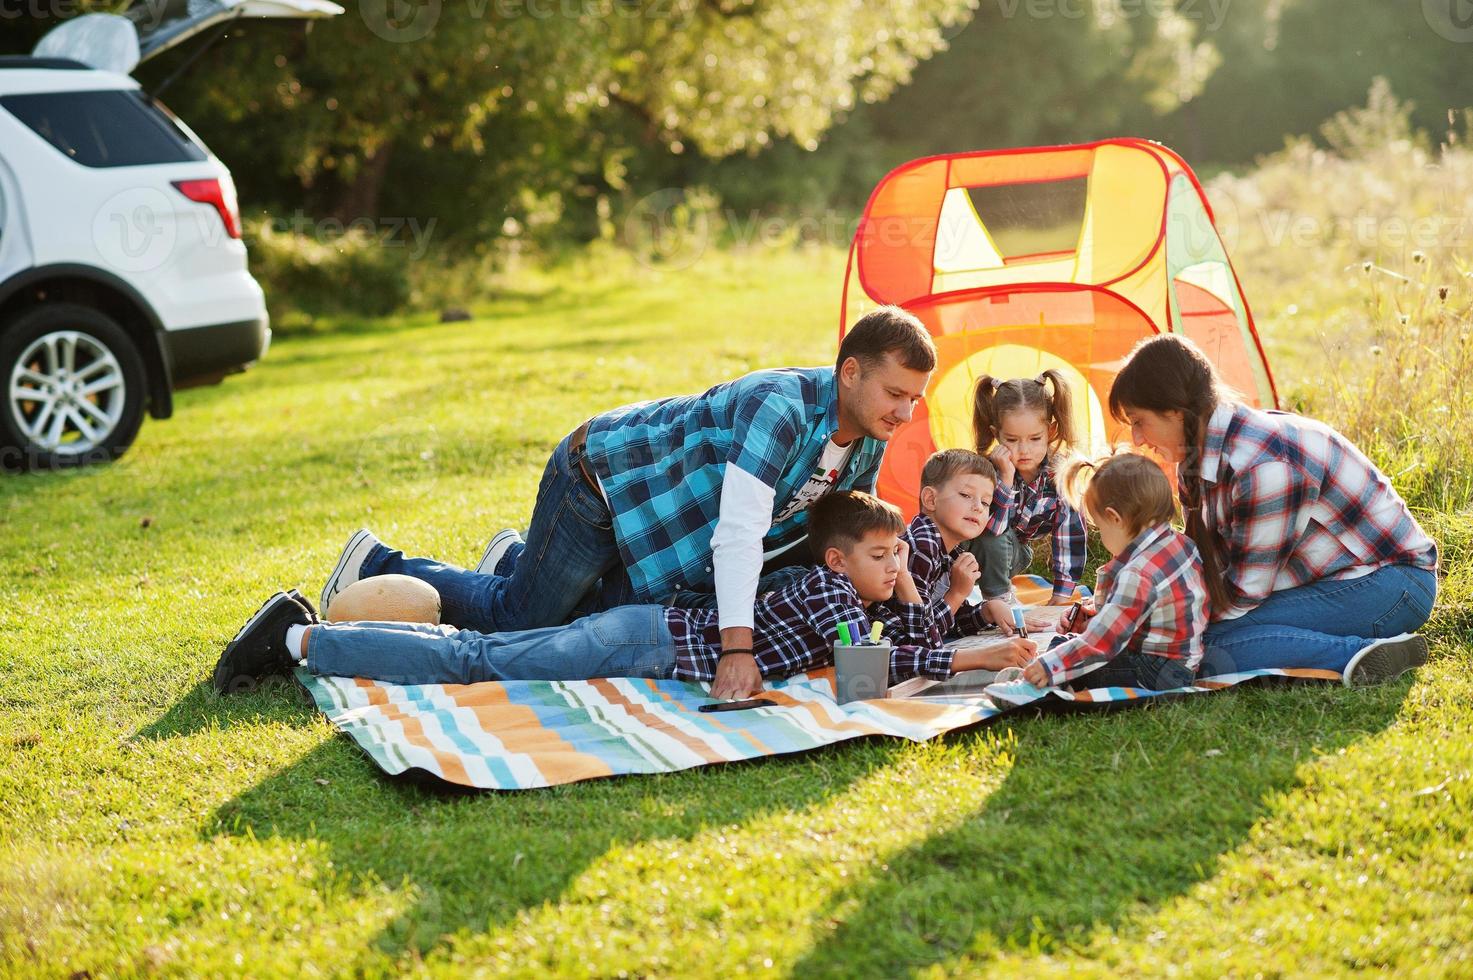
[(1000, 557), (631, 641), (570, 548), (1323, 624)]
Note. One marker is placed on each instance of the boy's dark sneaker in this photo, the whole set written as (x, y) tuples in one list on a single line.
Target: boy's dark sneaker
[(259, 649), (306, 604), (1385, 660)]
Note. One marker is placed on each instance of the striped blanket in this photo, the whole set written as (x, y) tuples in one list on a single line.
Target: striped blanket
[(529, 734)]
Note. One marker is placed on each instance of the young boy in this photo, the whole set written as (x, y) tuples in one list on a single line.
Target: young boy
[(854, 535), (956, 494), (1149, 607)]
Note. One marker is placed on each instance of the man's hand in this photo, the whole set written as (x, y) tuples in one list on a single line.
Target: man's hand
[(1002, 458), (1035, 674), (736, 677), (998, 613), (964, 574)]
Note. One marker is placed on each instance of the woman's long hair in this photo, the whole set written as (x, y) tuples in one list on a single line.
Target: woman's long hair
[(1169, 373)]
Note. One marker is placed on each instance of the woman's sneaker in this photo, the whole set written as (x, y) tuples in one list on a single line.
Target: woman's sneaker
[(349, 566), (496, 549), (1385, 660), (259, 649)]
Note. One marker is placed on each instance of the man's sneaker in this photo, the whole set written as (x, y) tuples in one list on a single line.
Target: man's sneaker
[(496, 549), (1008, 675), (1385, 660), (350, 563), (259, 649)]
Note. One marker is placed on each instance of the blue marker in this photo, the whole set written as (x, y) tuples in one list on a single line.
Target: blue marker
[(1018, 621)]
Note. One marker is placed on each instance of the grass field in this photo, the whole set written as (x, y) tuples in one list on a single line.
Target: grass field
[(149, 827)]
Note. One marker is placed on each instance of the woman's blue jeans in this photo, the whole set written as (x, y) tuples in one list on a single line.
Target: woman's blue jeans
[(631, 641), (1323, 624), (570, 549)]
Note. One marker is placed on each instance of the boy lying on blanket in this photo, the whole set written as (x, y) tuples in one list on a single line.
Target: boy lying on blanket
[(864, 577)]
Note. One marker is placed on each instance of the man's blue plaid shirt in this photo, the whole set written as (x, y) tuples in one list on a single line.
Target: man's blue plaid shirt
[(662, 462)]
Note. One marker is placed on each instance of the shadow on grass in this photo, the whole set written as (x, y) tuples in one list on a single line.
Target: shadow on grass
[(1102, 817), (472, 860)]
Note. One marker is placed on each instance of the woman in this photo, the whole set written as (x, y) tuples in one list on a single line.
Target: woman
[(1311, 557)]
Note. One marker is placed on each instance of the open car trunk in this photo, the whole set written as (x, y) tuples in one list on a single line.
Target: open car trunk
[(119, 42)]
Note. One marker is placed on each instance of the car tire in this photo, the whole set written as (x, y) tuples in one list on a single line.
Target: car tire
[(87, 383)]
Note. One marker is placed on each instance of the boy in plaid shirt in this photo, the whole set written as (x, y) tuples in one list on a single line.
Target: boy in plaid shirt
[(863, 578), (956, 492), (1145, 629)]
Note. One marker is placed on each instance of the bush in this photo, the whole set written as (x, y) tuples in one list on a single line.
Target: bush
[(317, 274)]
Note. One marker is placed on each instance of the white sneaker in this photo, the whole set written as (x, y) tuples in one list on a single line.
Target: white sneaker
[(1385, 660), (1012, 694), (496, 548), (350, 563)]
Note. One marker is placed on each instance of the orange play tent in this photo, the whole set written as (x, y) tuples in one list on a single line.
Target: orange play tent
[(1024, 259)]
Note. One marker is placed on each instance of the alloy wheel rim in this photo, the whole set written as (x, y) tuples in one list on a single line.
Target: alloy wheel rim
[(67, 392)]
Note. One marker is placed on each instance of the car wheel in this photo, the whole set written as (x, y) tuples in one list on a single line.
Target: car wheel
[(74, 388)]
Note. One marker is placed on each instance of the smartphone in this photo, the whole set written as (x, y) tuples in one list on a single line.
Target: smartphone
[(737, 705)]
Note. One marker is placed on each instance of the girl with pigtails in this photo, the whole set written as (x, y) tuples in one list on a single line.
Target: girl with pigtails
[(1026, 426), (1310, 556)]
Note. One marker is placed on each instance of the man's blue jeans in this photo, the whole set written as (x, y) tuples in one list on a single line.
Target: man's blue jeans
[(570, 547), (631, 641), (1323, 624)]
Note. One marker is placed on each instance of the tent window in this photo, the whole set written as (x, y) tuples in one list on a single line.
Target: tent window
[(1026, 220)]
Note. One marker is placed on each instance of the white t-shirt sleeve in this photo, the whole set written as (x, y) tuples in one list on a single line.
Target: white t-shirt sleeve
[(736, 545)]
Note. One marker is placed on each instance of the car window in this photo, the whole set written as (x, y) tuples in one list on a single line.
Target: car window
[(103, 129)]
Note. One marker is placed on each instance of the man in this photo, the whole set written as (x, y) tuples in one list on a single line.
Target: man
[(691, 493)]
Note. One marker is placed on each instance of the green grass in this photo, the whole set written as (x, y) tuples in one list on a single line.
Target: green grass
[(149, 827)]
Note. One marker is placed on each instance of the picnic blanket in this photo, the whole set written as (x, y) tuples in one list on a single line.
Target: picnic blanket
[(513, 735)]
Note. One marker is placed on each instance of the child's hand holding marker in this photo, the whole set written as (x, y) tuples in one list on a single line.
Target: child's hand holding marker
[(996, 612)]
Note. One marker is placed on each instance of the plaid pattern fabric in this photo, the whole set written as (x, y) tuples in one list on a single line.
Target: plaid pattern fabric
[(1149, 599), (1035, 509), (930, 566), (795, 628), (661, 464), (1291, 501)]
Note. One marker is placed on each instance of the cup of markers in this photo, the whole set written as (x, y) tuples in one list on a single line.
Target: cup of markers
[(861, 670)]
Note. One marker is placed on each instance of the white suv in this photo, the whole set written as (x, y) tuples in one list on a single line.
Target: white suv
[(122, 271)]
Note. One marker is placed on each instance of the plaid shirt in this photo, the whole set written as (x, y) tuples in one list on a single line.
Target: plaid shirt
[(1290, 501), (1150, 599), (930, 566), (661, 464), (796, 626), (1035, 509)]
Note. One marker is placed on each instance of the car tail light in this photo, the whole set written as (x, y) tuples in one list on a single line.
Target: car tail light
[(219, 195)]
